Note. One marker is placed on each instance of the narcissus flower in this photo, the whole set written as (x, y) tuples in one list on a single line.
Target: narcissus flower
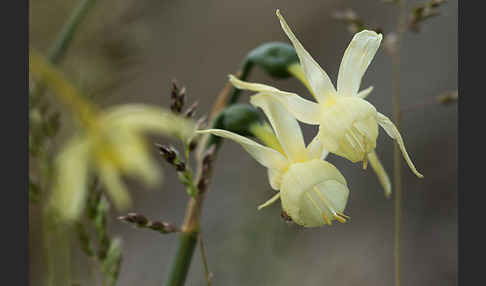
[(110, 144), (313, 192), (348, 124)]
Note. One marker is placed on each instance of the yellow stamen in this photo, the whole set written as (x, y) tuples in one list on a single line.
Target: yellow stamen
[(326, 219), (343, 215), (340, 218), (337, 215), (365, 156)]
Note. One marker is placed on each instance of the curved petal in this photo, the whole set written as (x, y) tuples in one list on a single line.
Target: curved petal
[(356, 60), (148, 118), (316, 148), (133, 156), (268, 157), (365, 92), (392, 131), (269, 202), (110, 177), (302, 109), (275, 178), (69, 193), (380, 172), (317, 78), (285, 126), (314, 193)]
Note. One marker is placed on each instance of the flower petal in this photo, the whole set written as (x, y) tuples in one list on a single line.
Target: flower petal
[(317, 78), (133, 155), (365, 92), (380, 172), (392, 131), (275, 178), (269, 202), (148, 118), (268, 157), (302, 109), (285, 126), (110, 177), (69, 193), (316, 148), (313, 192), (356, 60)]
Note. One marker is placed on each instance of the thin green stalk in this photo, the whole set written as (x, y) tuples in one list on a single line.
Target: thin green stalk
[(397, 158), (204, 260), (191, 228), (183, 258), (66, 36), (58, 50)]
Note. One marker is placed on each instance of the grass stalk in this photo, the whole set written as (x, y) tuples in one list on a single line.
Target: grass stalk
[(397, 158)]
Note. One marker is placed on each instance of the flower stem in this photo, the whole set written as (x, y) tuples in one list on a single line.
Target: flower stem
[(183, 258), (67, 33), (58, 50), (191, 227), (397, 163)]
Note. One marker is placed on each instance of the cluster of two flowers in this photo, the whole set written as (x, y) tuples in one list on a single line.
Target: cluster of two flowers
[(313, 192)]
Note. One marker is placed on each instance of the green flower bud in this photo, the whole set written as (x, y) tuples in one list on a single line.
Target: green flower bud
[(274, 58), (237, 118)]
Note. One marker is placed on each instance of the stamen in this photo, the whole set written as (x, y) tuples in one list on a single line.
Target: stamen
[(329, 206), (337, 215), (340, 218), (350, 140), (356, 138), (317, 207), (326, 219), (365, 156), (343, 215)]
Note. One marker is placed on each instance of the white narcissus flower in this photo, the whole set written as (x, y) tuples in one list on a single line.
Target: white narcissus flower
[(313, 192), (112, 146), (348, 124)]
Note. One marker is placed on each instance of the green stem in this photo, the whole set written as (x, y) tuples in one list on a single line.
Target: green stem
[(233, 98), (183, 258), (190, 229), (397, 163), (245, 71), (57, 52), (66, 36)]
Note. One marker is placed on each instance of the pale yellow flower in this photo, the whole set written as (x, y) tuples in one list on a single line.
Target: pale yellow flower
[(110, 144), (114, 146), (348, 124), (313, 192)]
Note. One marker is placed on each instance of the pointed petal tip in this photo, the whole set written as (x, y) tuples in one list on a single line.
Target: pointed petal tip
[(370, 33), (236, 82)]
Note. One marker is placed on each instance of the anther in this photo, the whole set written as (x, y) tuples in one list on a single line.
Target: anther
[(326, 219)]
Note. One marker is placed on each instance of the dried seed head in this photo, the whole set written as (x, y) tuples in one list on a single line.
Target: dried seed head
[(189, 113), (177, 97)]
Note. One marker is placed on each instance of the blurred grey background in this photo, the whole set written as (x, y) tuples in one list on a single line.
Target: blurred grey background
[(128, 51)]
